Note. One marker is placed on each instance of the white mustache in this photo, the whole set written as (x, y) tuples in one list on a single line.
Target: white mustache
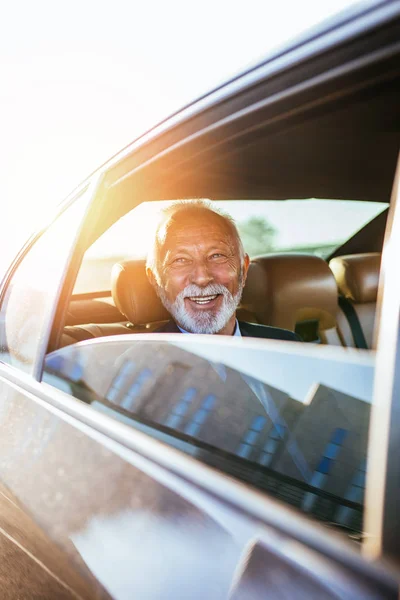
[(212, 289)]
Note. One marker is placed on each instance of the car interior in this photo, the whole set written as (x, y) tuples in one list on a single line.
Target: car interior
[(295, 292), (346, 148)]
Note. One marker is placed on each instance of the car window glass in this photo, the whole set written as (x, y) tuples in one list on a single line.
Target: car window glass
[(311, 226), (32, 290), (289, 419)]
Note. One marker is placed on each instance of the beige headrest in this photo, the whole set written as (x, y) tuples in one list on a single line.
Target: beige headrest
[(357, 276), (133, 294), (285, 289)]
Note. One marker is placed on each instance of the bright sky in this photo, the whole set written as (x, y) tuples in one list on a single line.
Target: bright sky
[(81, 79)]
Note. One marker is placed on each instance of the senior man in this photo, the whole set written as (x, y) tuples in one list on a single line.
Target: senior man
[(198, 269)]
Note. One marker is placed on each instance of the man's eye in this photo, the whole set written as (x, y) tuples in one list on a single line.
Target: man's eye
[(181, 260), (217, 255)]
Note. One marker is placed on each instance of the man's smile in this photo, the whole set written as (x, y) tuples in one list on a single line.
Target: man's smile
[(206, 301)]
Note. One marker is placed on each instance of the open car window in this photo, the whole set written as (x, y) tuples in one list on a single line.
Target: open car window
[(312, 226), (289, 419)]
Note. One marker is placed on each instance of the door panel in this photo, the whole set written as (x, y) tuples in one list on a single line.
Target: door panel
[(31, 565), (286, 571), (137, 536)]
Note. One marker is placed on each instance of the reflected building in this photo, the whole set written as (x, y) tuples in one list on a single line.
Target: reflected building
[(311, 454)]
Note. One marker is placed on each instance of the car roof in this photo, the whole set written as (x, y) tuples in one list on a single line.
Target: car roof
[(345, 24), (348, 16)]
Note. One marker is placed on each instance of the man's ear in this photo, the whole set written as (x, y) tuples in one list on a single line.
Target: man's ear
[(151, 277), (245, 267)]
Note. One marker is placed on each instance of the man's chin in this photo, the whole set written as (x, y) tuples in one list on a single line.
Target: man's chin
[(201, 319), (202, 316), (203, 322)]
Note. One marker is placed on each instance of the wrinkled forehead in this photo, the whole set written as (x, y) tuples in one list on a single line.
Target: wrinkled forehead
[(187, 227)]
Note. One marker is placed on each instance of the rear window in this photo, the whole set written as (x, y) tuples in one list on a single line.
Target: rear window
[(291, 419), (312, 226)]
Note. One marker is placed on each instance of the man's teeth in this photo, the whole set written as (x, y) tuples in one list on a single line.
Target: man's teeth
[(202, 299)]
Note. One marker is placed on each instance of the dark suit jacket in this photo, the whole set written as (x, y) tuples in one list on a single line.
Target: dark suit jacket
[(247, 330)]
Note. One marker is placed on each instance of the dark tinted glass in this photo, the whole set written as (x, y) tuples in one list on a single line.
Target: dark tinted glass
[(289, 419)]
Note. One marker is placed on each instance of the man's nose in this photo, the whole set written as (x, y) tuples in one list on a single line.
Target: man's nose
[(201, 274)]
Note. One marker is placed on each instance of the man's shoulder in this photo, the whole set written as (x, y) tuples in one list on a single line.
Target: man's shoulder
[(246, 329), (265, 331), (168, 327)]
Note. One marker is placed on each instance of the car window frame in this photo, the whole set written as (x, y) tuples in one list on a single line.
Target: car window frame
[(376, 547), (382, 484), (88, 193), (183, 131)]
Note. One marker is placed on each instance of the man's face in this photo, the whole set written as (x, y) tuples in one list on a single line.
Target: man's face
[(201, 275)]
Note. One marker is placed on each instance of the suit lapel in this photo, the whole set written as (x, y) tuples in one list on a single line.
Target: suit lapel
[(243, 329), (170, 327)]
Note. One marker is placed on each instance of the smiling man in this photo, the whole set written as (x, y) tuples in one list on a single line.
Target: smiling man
[(198, 268)]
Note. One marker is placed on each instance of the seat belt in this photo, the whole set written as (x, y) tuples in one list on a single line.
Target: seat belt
[(354, 322)]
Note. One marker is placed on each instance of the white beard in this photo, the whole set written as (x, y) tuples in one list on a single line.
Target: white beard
[(204, 321)]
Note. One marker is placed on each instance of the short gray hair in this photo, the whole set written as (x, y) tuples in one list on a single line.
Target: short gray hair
[(186, 206)]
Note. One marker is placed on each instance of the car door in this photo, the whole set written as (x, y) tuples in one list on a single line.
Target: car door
[(98, 506), (116, 505)]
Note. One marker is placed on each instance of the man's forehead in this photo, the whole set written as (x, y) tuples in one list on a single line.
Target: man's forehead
[(181, 227)]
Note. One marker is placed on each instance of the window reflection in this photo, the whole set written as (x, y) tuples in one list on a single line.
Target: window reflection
[(276, 435), (200, 416), (129, 400), (355, 493), (119, 382), (310, 454), (179, 411), (250, 439), (325, 465)]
